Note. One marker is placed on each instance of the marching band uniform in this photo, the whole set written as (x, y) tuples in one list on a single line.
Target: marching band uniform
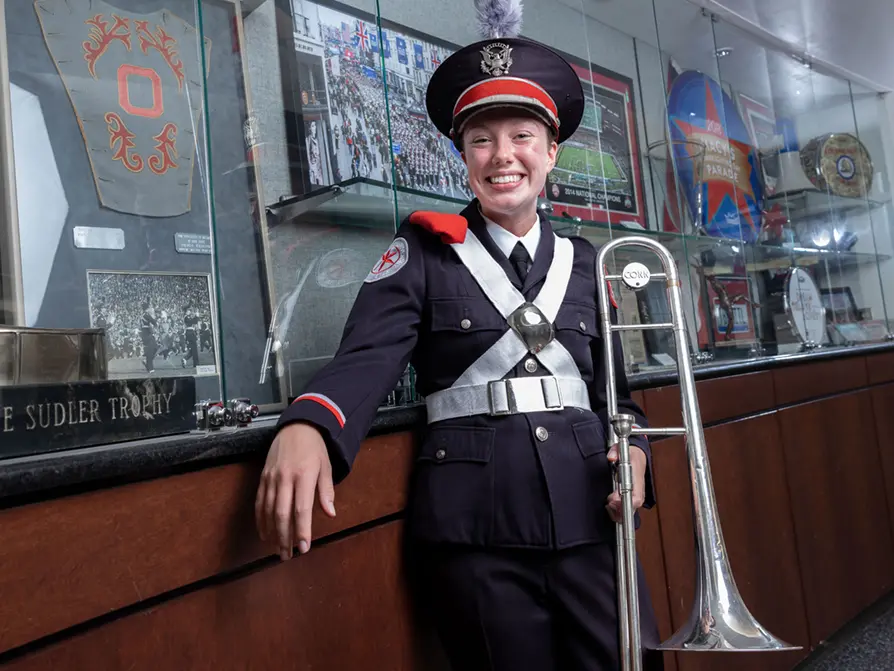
[(507, 506)]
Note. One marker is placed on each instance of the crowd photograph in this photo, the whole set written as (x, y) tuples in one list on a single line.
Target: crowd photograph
[(155, 324)]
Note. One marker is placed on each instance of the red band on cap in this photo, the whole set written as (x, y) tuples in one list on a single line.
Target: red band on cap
[(507, 89)]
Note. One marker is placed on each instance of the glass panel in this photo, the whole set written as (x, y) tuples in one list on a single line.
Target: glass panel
[(319, 148), (873, 121), (819, 200), (685, 163), (111, 326)]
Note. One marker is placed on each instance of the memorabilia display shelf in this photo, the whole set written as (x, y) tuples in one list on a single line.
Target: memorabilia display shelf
[(809, 204), (717, 254), (368, 203), (362, 202)]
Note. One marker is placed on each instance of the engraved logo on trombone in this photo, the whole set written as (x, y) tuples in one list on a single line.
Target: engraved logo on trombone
[(635, 276)]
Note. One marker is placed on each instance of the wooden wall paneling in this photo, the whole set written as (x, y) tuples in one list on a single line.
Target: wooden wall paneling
[(795, 384), (651, 555), (719, 399), (67, 560), (881, 368), (748, 472), (839, 506), (342, 606), (883, 412)]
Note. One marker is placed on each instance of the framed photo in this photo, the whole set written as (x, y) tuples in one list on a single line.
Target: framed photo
[(339, 89), (342, 129), (731, 304), (157, 324), (761, 123), (598, 174), (840, 304)]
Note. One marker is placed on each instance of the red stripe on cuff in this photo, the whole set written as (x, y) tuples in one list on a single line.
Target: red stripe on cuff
[(327, 403)]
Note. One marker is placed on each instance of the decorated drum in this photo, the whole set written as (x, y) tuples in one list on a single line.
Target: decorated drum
[(838, 163)]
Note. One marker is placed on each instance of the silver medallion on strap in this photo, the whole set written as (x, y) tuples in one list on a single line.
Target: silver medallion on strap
[(532, 326)]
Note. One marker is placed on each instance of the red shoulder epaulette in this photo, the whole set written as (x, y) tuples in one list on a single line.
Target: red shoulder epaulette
[(451, 227)]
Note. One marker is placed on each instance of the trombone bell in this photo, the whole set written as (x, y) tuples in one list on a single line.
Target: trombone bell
[(719, 619)]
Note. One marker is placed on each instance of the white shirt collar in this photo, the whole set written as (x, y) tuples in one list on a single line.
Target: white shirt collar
[(507, 240)]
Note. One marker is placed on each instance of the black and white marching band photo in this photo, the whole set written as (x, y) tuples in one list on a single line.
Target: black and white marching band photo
[(158, 324)]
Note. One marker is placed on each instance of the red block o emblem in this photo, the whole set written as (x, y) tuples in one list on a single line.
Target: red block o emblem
[(158, 106)]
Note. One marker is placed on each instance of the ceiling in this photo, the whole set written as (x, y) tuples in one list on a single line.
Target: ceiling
[(853, 34), (846, 40)]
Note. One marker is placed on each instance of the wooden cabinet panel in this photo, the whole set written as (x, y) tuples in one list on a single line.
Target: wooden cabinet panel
[(341, 606), (839, 507), (881, 368), (883, 411), (651, 555), (67, 560), (748, 472), (719, 399), (819, 378)]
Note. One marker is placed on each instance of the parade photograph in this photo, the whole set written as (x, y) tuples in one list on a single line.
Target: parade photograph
[(156, 324), (358, 125)]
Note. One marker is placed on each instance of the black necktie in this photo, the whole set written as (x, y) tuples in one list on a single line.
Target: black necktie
[(520, 260)]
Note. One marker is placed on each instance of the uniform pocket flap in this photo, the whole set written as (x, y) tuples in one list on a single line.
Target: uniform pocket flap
[(590, 437), (458, 443), (580, 318), (465, 316)]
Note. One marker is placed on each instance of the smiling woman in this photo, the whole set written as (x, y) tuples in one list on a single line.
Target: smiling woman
[(513, 500), (508, 153)]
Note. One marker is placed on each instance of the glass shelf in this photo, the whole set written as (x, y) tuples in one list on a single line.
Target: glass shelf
[(361, 202), (719, 254), (807, 204)]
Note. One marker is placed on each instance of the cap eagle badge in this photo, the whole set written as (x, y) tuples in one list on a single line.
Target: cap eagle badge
[(496, 59)]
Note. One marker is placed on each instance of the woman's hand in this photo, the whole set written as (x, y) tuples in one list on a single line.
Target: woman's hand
[(297, 468), (638, 462)]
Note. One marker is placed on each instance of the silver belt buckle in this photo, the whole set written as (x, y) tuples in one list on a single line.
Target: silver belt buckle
[(514, 395), (501, 398), (552, 394)]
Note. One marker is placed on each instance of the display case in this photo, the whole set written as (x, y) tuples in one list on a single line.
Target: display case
[(194, 191)]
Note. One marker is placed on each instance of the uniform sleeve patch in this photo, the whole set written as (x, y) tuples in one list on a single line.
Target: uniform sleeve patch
[(451, 227), (394, 258)]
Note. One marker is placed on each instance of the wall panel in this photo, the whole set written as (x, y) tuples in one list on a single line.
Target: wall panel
[(838, 501)]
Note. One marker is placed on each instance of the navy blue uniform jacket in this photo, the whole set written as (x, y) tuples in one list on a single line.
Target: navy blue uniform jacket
[(482, 480)]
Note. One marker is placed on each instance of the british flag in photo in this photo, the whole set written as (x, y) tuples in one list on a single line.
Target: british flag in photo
[(361, 37)]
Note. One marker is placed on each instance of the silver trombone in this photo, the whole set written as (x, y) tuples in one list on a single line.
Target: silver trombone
[(719, 619)]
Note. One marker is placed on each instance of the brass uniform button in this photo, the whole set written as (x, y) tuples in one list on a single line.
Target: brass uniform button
[(541, 433), (583, 327), (531, 365), (465, 324), (440, 454)]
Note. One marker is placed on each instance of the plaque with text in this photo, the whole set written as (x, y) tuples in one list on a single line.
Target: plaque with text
[(46, 418), (192, 243)]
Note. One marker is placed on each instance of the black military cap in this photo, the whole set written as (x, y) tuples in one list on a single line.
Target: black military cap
[(510, 72)]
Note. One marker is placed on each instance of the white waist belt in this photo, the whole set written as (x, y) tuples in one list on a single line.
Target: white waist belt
[(508, 397)]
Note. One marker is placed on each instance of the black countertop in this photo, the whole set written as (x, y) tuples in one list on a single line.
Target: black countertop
[(36, 477)]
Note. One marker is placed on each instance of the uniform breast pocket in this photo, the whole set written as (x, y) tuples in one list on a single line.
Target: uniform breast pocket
[(579, 319), (464, 322), (454, 488)]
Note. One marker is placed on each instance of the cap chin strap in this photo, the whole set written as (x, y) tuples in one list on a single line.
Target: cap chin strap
[(481, 388)]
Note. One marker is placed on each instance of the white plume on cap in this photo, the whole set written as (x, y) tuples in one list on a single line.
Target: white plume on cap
[(499, 18)]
